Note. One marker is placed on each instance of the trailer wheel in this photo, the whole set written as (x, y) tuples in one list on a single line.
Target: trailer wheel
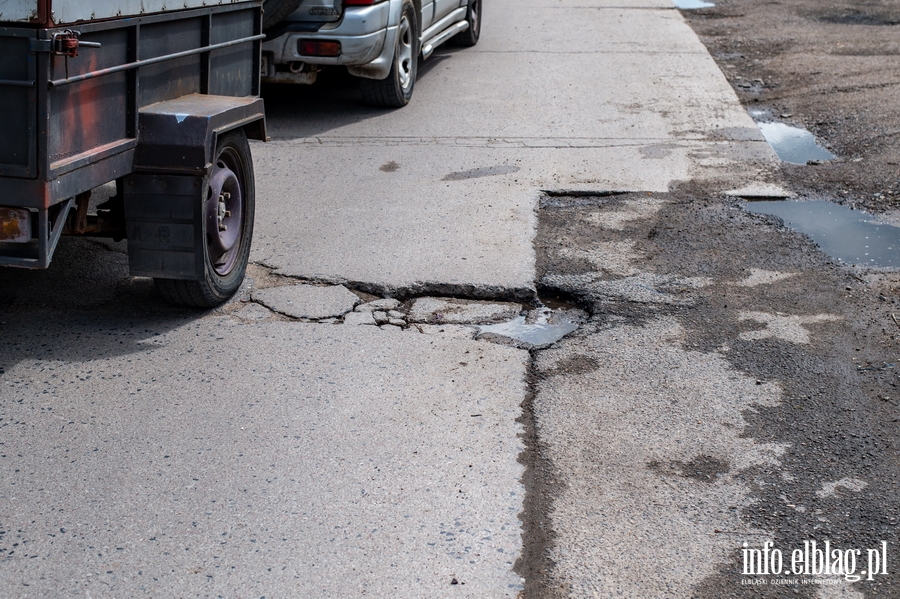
[(229, 212), (274, 11), (397, 89)]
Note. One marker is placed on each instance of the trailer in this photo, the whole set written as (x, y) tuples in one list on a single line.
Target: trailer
[(158, 99)]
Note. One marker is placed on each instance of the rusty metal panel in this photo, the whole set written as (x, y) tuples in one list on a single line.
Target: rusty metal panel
[(90, 114), (171, 79)]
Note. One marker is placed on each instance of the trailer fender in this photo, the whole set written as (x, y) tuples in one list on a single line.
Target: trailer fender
[(165, 196), (180, 135)]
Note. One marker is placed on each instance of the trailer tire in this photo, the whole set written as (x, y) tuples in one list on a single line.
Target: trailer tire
[(275, 11), (230, 202)]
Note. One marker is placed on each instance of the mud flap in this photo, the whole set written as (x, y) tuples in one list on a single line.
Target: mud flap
[(164, 221)]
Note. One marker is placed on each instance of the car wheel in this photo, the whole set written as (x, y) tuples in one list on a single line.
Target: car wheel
[(469, 37), (397, 89), (228, 211), (274, 11)]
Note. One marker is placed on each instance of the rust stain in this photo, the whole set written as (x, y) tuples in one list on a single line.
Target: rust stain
[(44, 14), (83, 111)]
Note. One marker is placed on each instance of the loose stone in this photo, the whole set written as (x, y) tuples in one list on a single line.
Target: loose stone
[(357, 318), (438, 310), (382, 305)]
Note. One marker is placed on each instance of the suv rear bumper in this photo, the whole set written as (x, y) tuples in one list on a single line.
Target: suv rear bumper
[(363, 32)]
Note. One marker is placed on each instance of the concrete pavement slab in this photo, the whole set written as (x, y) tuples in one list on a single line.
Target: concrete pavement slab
[(308, 301), (439, 196), (381, 304), (212, 458), (455, 331)]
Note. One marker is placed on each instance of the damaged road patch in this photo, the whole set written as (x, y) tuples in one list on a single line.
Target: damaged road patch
[(649, 401), (718, 395)]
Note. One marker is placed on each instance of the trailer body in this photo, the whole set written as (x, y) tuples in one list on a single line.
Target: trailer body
[(99, 91)]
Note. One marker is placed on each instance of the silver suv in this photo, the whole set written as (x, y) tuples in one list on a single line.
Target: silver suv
[(379, 41)]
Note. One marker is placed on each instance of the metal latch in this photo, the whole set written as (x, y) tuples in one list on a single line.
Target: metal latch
[(66, 43)]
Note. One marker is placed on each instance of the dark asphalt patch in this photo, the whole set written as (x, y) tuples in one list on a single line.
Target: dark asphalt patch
[(704, 468), (838, 418), (542, 484)]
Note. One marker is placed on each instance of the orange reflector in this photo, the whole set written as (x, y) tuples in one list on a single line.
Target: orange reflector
[(317, 48), (15, 225)]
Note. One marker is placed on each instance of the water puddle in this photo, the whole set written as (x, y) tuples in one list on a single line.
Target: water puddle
[(848, 236), (793, 144), (538, 328), (692, 4)]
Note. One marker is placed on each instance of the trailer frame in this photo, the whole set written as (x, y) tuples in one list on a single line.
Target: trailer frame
[(129, 99)]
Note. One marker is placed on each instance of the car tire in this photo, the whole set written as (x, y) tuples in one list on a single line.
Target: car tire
[(274, 11), (469, 37), (397, 89), (230, 204)]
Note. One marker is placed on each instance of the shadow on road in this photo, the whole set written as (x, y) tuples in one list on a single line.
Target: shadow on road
[(84, 307), (333, 102)]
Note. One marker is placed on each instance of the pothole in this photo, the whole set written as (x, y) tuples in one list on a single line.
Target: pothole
[(582, 193), (555, 301), (502, 323), (848, 236), (507, 323)]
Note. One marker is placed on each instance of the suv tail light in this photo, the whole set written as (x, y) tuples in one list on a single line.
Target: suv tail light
[(318, 48)]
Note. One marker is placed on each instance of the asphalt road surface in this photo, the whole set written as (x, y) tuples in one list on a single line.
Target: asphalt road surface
[(337, 430)]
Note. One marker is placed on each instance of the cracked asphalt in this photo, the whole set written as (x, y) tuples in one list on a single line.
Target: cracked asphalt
[(344, 428)]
